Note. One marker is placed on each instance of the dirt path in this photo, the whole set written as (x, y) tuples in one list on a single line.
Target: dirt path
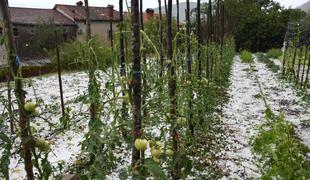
[(244, 113)]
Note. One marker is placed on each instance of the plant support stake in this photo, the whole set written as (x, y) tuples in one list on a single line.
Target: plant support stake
[(59, 74), (136, 107), (14, 64)]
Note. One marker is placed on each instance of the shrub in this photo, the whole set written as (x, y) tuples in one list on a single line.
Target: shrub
[(274, 53), (74, 55), (246, 56)]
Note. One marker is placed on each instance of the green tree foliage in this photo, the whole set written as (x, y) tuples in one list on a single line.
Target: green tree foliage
[(260, 24)]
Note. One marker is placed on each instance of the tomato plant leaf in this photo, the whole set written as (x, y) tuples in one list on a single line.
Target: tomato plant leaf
[(154, 168), (5, 138)]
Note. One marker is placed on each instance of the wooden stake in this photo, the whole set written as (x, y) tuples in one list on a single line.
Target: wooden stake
[(10, 111), (299, 63), (59, 75), (137, 118), (19, 92), (161, 39), (304, 64)]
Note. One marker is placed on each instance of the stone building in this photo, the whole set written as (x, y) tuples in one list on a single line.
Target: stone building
[(100, 18), (34, 28)]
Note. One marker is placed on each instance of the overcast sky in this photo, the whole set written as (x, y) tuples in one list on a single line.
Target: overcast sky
[(147, 3)]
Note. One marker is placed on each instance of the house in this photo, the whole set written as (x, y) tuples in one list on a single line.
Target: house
[(100, 18), (33, 28)]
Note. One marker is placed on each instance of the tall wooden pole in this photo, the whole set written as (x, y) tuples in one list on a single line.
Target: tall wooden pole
[(292, 70), (285, 52), (144, 83), (122, 51), (178, 15), (14, 64), (59, 74), (161, 37), (137, 118), (122, 55), (10, 111), (217, 36), (307, 74), (189, 63), (222, 28), (304, 64), (299, 64), (199, 35), (172, 90), (93, 89), (88, 30), (210, 38), (166, 8), (111, 32)]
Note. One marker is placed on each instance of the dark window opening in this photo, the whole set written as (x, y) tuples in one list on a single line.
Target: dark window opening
[(65, 36), (15, 32), (110, 34), (1, 31), (32, 31)]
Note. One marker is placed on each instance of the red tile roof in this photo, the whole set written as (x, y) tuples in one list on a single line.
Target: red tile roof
[(34, 16), (78, 12)]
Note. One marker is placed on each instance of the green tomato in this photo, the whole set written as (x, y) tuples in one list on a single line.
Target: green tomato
[(30, 106), (141, 144), (42, 144), (156, 159), (156, 152), (169, 152), (180, 121)]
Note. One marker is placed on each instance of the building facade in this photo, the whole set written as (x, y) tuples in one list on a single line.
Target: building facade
[(34, 29)]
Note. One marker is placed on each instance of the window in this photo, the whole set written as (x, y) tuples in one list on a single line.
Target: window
[(1, 31), (110, 34), (80, 31), (32, 32), (15, 31)]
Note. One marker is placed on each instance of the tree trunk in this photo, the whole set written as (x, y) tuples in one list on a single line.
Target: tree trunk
[(137, 119), (19, 92)]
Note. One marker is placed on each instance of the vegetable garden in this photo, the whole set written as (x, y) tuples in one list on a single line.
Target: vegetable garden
[(176, 103)]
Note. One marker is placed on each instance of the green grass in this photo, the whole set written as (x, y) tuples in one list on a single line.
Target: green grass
[(274, 53), (246, 56), (282, 153), (269, 63)]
